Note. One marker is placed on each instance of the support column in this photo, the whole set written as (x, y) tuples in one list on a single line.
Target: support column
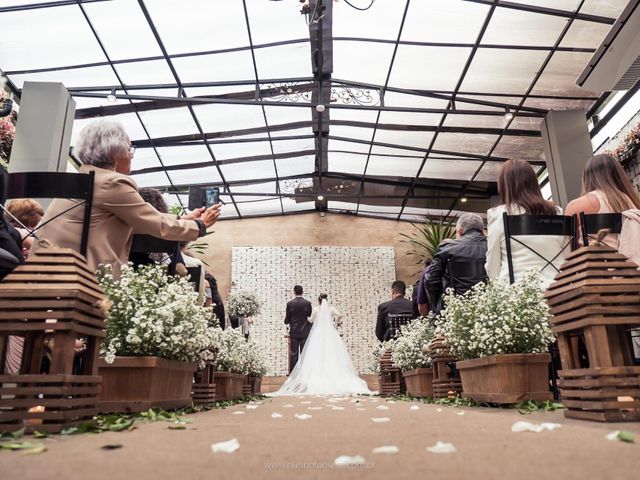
[(43, 132), (567, 148)]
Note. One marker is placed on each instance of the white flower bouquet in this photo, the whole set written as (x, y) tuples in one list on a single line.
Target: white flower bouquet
[(232, 351), (376, 354), (243, 304), (406, 349), (153, 314), (496, 318), (255, 360)]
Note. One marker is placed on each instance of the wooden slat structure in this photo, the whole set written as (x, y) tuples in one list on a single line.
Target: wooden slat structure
[(446, 381), (596, 298), (53, 299), (390, 378), (203, 390)]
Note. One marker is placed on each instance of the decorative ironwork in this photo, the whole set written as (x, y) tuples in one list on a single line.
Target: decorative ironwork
[(288, 92), (354, 96), (289, 186), (340, 93)]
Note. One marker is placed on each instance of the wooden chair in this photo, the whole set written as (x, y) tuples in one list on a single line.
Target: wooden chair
[(465, 269), (77, 186), (591, 224), (541, 225), (194, 274), (148, 244), (395, 321)]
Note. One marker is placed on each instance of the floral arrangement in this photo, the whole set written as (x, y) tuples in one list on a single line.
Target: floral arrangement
[(496, 318), (232, 352), (406, 349), (255, 363), (629, 147), (7, 132), (153, 314), (376, 354), (243, 304)]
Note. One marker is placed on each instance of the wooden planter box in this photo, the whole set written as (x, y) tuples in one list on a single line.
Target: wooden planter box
[(256, 385), (228, 385), (419, 382), (511, 378), (135, 384)]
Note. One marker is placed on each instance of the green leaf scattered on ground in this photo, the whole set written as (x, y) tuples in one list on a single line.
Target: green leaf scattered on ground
[(25, 447), (530, 406), (627, 437)]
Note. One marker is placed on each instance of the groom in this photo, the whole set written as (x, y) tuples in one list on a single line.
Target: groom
[(298, 311)]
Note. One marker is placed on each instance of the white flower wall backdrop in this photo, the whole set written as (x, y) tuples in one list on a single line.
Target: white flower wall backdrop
[(356, 280)]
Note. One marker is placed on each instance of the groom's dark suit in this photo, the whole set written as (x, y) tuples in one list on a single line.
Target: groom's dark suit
[(298, 311)]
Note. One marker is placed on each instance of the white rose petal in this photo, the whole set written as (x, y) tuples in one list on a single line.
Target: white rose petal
[(533, 427), (438, 409), (229, 446), (305, 403), (238, 412), (361, 409), (391, 401), (460, 413), (414, 407), (442, 447), (276, 415), (380, 419), (337, 408), (347, 460), (288, 405), (382, 407), (302, 416), (315, 408), (251, 407), (387, 449)]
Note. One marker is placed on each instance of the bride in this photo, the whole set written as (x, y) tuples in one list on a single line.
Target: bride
[(325, 366)]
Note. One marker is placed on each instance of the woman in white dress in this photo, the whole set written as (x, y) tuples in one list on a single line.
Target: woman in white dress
[(325, 366)]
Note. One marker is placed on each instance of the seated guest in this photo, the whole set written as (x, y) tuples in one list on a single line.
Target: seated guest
[(520, 193), (397, 304), (118, 210), (605, 189), (191, 261), (216, 299), (469, 248), (24, 214)]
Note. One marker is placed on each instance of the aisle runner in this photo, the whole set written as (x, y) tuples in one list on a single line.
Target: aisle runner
[(356, 280)]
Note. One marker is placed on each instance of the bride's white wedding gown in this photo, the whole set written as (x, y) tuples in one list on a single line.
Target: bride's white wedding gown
[(324, 367)]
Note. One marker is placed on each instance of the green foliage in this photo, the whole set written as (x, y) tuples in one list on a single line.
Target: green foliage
[(176, 209), (627, 437), (530, 406), (429, 235)]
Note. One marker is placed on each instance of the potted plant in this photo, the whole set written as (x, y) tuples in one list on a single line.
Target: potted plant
[(155, 333), (243, 305), (428, 236), (407, 354), (501, 334), (230, 364), (256, 367)]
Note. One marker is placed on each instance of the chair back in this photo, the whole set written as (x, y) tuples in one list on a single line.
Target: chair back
[(591, 224), (395, 321), (542, 225), (77, 186), (194, 275), (150, 244), (465, 269)]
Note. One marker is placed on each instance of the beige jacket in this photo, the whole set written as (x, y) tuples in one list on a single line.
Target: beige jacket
[(118, 212), (629, 241)]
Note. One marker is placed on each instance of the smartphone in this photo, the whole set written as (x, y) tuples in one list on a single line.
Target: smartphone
[(203, 197), (211, 196)]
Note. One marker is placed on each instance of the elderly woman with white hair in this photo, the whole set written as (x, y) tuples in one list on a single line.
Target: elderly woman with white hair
[(459, 263), (118, 210)]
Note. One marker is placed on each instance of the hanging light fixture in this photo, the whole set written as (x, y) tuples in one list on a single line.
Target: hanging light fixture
[(111, 98), (508, 114)]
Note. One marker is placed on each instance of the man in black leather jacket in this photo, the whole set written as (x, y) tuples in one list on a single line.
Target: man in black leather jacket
[(468, 251)]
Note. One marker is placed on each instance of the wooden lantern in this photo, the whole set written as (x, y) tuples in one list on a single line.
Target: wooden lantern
[(390, 379), (596, 298), (203, 390), (54, 297), (446, 381)]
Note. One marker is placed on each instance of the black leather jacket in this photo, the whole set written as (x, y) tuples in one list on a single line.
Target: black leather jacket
[(469, 253)]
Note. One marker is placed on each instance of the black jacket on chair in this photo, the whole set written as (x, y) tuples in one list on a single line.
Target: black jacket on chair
[(397, 305), (470, 248), (298, 311)]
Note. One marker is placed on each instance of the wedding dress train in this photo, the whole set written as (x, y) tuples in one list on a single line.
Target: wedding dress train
[(325, 366)]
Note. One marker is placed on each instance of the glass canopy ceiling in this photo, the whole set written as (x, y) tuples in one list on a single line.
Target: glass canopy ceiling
[(224, 92)]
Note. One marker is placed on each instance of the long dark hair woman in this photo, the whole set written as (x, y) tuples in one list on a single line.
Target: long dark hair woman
[(605, 189), (521, 195)]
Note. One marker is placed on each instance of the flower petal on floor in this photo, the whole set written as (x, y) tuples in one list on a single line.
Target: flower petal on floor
[(238, 412), (533, 427), (442, 447), (380, 419), (276, 415), (414, 407), (229, 446), (288, 405), (347, 460), (387, 449), (302, 416), (382, 407)]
